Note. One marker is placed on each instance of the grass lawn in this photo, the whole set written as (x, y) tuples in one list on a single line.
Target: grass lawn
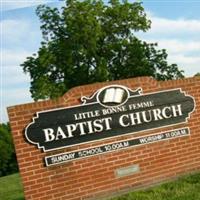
[(185, 188), (11, 188)]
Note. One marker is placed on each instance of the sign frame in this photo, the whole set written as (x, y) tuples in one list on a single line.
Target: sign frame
[(85, 103)]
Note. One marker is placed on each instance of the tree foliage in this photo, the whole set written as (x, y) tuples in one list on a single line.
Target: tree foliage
[(90, 41), (8, 163)]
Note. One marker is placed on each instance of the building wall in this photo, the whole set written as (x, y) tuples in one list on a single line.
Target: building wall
[(95, 177)]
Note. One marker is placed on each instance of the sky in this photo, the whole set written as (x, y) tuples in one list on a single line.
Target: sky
[(175, 27)]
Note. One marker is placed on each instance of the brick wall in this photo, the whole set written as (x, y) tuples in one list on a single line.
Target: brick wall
[(94, 177)]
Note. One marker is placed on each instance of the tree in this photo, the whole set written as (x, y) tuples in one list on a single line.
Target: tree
[(197, 74), (8, 163), (90, 41)]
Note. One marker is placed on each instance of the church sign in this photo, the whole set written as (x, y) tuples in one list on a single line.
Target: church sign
[(111, 111)]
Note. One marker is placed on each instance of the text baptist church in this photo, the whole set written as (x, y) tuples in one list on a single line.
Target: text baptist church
[(104, 124)]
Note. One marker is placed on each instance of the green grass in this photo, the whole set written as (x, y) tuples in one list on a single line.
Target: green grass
[(11, 188), (185, 188)]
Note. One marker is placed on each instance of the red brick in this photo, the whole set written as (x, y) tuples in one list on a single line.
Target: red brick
[(94, 177)]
